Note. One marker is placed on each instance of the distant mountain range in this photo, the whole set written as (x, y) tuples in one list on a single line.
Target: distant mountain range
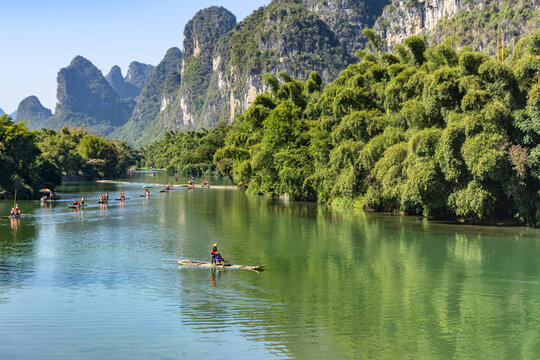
[(219, 71)]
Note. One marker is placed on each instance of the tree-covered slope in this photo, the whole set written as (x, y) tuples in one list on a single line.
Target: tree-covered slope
[(84, 97), (163, 81), (118, 83), (138, 73), (347, 18), (280, 37), (424, 130), (475, 23), (32, 112), (201, 34)]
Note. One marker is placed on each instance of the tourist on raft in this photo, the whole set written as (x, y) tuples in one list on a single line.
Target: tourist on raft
[(216, 256), (15, 211)]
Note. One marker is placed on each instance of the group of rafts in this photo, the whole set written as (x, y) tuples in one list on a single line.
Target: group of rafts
[(217, 259)]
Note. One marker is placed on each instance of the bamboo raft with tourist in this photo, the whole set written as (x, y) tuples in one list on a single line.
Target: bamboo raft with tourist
[(104, 200), (217, 262), (15, 212), (208, 264), (17, 216)]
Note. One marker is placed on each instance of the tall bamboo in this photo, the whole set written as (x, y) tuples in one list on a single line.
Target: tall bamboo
[(502, 42), (498, 39)]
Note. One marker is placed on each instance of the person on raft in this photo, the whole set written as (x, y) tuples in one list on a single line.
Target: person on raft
[(122, 195), (76, 203), (82, 201), (217, 259), (146, 192), (107, 196), (15, 211)]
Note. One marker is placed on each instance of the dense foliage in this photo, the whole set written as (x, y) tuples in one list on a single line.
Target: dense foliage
[(423, 130), (190, 152), (30, 160), (478, 26), (77, 153), (22, 166), (430, 131)]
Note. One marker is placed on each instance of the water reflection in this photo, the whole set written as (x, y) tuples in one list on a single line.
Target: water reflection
[(215, 274), (17, 255), (14, 222), (339, 284), (376, 286)]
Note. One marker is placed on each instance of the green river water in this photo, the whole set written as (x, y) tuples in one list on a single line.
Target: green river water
[(339, 284)]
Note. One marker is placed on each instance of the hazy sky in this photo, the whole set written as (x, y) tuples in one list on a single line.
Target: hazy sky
[(39, 37)]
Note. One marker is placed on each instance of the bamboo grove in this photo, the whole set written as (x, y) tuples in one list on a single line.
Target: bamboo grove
[(437, 131)]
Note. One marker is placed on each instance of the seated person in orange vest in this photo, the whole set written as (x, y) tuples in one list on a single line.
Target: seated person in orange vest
[(216, 256)]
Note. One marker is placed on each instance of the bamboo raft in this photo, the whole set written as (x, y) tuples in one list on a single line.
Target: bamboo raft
[(15, 216), (208, 264), (76, 206)]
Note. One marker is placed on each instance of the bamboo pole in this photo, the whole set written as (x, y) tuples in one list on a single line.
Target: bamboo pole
[(502, 41), (498, 39)]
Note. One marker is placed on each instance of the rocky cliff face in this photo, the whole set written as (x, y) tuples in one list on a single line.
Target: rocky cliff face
[(201, 36), (281, 37), (2, 112), (138, 73), (472, 22), (85, 97), (223, 65), (122, 88), (347, 18), (157, 93), (404, 18), (220, 71), (31, 111)]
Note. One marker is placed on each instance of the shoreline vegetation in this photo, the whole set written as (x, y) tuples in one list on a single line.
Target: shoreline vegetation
[(31, 160), (436, 131)]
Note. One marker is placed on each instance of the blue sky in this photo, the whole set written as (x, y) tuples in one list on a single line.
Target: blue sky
[(39, 37)]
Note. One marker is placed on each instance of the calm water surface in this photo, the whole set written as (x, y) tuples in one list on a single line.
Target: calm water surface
[(340, 284)]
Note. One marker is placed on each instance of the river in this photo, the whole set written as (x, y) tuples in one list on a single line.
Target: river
[(339, 284)]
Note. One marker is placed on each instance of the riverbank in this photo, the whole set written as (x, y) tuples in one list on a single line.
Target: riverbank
[(219, 187)]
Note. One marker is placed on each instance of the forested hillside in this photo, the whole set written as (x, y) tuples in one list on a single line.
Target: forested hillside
[(423, 130)]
